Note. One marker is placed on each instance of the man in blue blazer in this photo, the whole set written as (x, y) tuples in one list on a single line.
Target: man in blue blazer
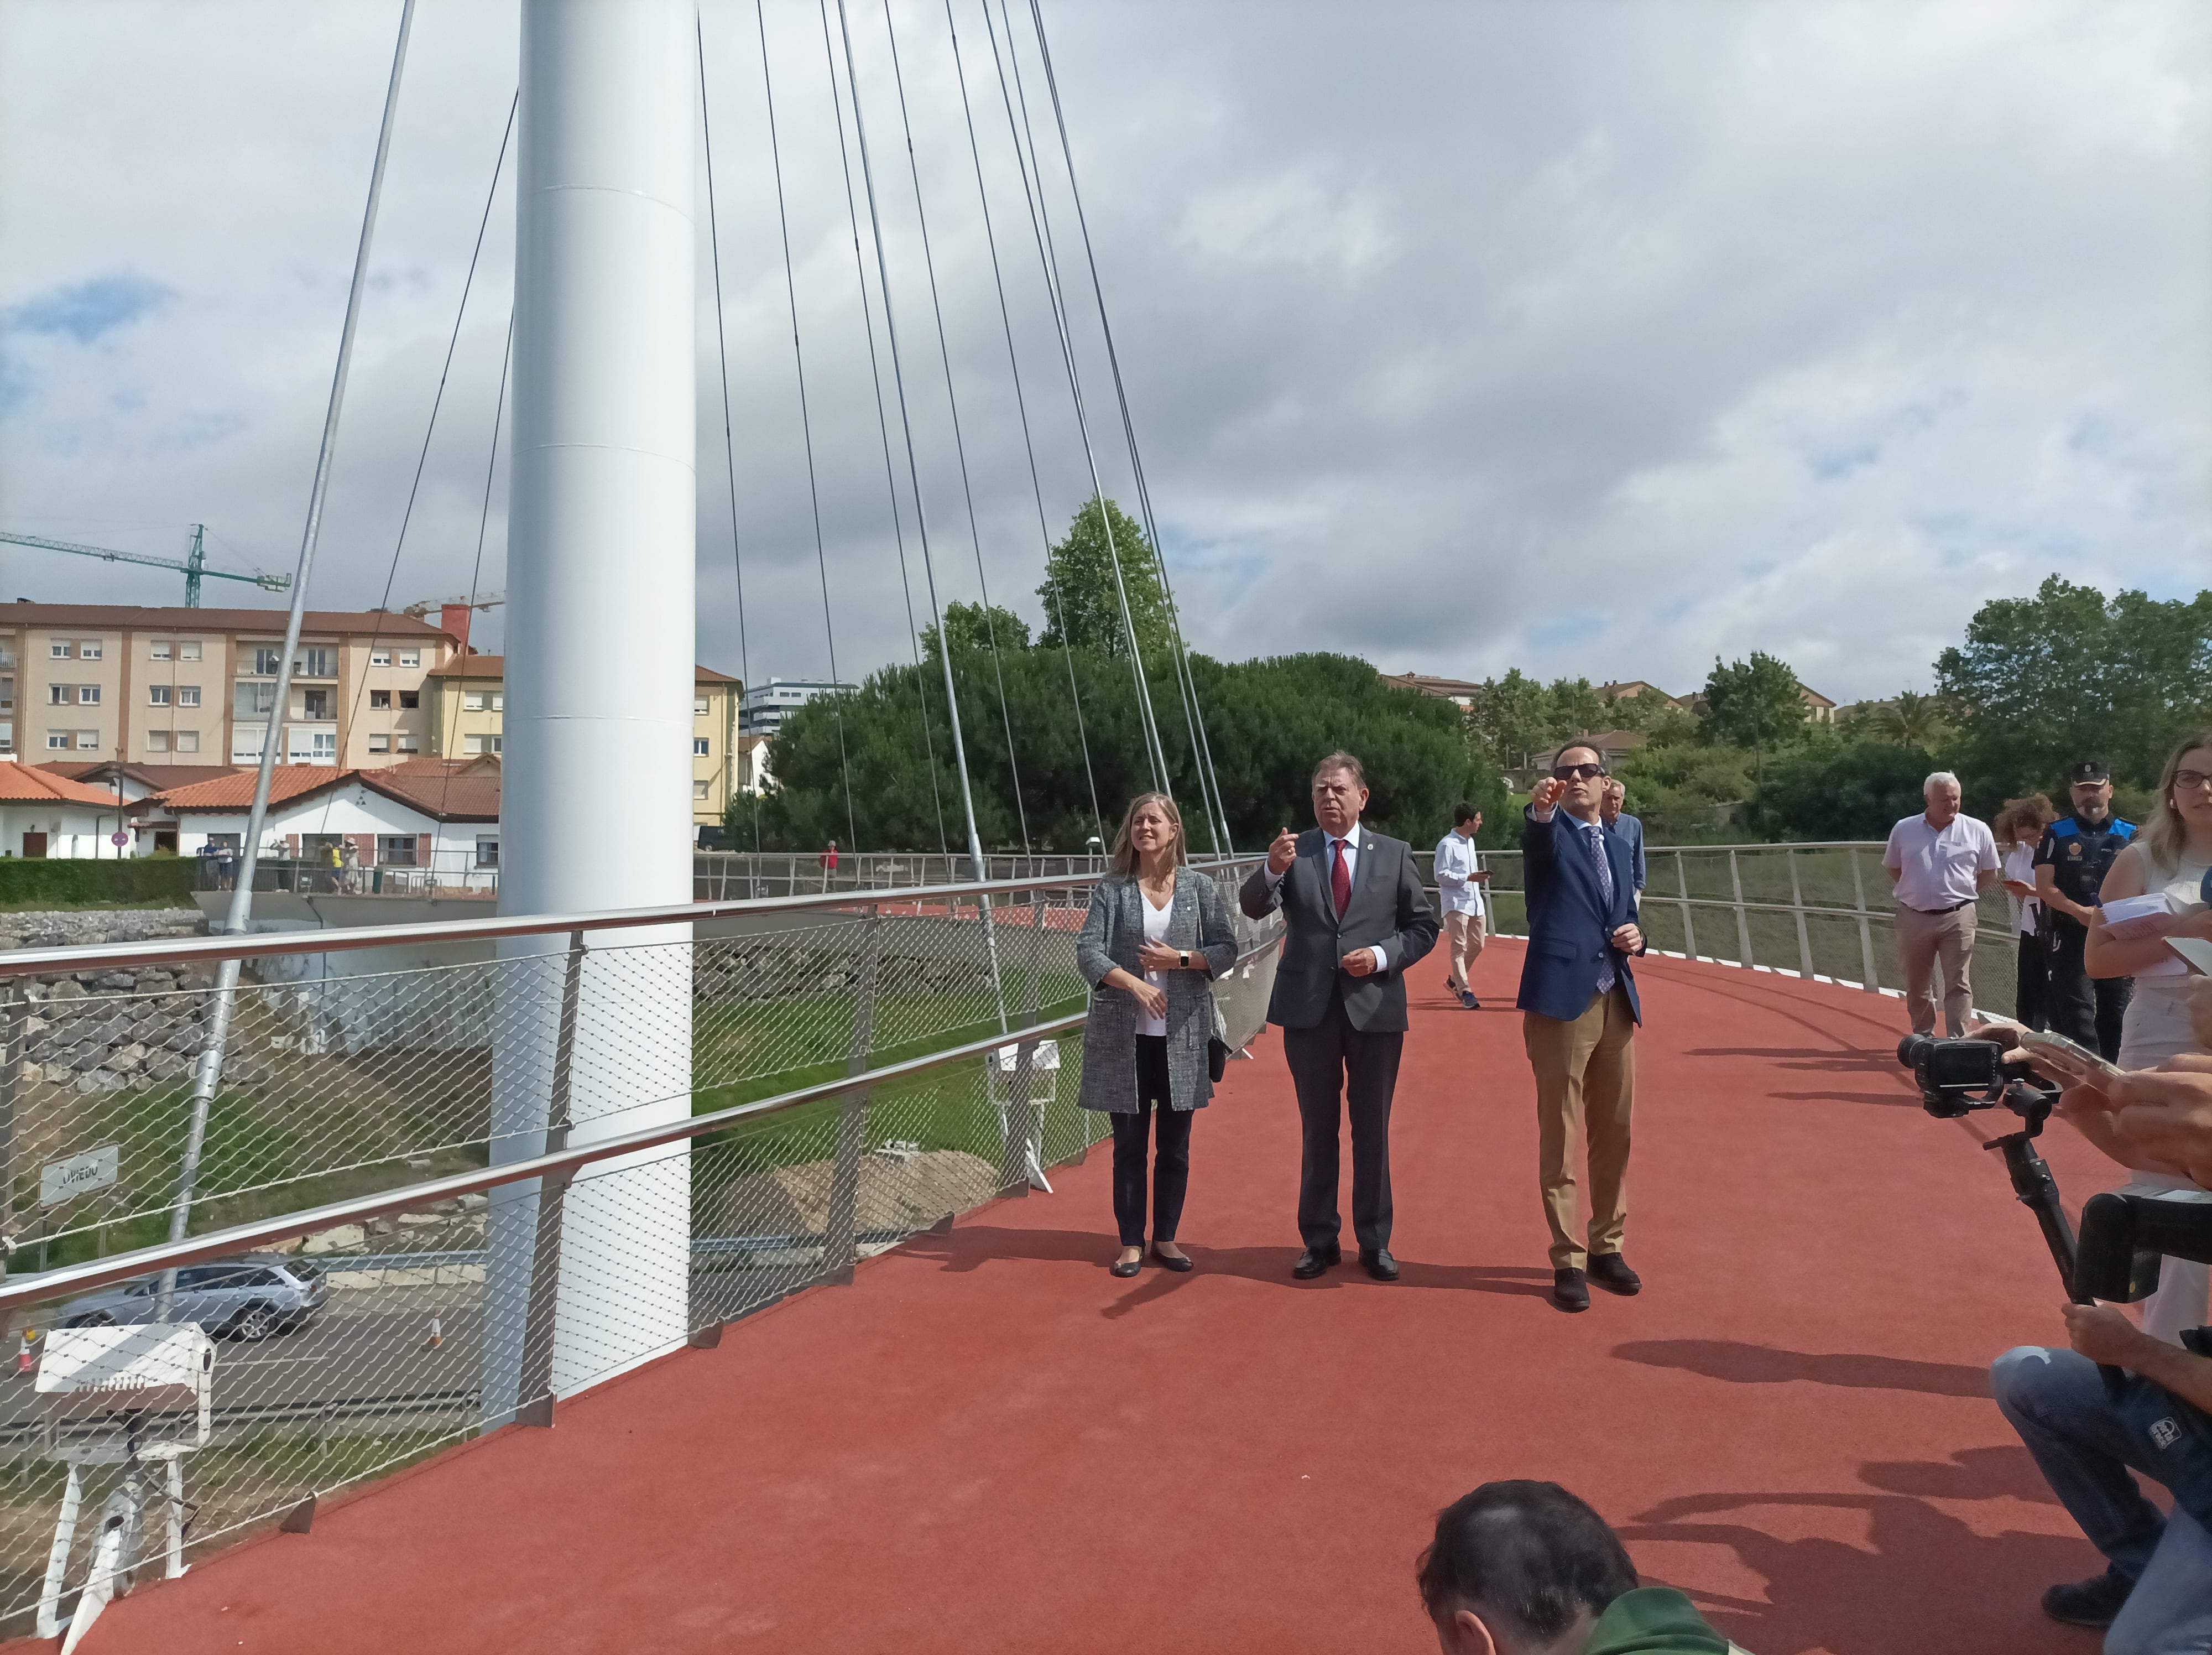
[(1579, 1016)]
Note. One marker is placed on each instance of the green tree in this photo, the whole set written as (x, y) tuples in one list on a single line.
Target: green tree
[(1753, 704), (2043, 682), (1082, 605), (1512, 717), (973, 626), (1854, 788), (1576, 709), (1911, 720)]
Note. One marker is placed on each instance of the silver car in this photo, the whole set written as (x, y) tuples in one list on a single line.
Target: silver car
[(248, 1298)]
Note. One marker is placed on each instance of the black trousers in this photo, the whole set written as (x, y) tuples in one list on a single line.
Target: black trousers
[(2086, 1010), (2031, 996), (1328, 1064), (1171, 1157)]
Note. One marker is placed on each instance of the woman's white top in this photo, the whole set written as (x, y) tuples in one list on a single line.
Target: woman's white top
[(1156, 930), (2019, 866), (2156, 1026)]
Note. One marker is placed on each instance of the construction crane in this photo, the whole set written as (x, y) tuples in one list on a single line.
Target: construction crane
[(467, 600), (194, 565)]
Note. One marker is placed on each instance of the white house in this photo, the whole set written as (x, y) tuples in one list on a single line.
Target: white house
[(46, 815), (433, 821)]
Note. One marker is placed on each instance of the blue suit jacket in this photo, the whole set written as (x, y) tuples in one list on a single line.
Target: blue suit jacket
[(1571, 925)]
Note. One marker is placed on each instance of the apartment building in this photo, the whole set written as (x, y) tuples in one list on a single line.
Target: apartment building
[(468, 710), (762, 708), (98, 682)]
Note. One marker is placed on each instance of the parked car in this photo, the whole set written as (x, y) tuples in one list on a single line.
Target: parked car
[(247, 1298)]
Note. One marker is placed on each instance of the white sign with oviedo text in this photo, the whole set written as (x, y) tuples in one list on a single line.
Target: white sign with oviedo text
[(79, 1175)]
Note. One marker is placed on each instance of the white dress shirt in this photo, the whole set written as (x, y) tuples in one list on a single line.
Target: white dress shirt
[(1328, 853), (1457, 863), (1935, 868), (1156, 930)]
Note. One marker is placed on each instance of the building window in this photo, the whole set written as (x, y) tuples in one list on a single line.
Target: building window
[(188, 694), (157, 741), (188, 649), (326, 747), (61, 648), (188, 741), (487, 850), (699, 706), (472, 701), (87, 740), (87, 695), (317, 664), (701, 747), (315, 703), (58, 739), (410, 743), (157, 695), (379, 658), (379, 701), (255, 701), (482, 743), (410, 658), (395, 850), (380, 744), (58, 694), (410, 698), (267, 658), (699, 790), (499, 701), (163, 650), (87, 649)]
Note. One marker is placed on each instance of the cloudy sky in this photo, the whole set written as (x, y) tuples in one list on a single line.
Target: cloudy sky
[(1593, 339)]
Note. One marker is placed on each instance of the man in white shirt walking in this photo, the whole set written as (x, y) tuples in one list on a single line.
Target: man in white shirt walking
[(1460, 880), (1940, 862)]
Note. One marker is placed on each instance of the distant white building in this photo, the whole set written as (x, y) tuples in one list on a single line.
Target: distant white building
[(46, 815), (764, 707)]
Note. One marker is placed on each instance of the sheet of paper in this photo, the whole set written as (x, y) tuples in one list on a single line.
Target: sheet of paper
[(2127, 918), (2196, 950)]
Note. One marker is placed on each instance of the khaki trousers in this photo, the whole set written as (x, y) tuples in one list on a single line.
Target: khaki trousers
[(1585, 1075), (1926, 943), (1464, 932)]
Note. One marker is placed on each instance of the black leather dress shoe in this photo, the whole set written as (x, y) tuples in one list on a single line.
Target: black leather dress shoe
[(2094, 1604), (1125, 1267), (1611, 1272), (1312, 1261), (1179, 1263), (1379, 1264), (1569, 1292)]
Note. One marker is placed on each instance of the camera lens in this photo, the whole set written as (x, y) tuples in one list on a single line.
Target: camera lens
[(1910, 1047)]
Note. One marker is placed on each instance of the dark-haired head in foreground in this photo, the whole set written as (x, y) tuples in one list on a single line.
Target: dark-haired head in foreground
[(1525, 1568)]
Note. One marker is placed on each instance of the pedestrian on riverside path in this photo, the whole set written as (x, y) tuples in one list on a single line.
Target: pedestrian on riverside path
[(1356, 916), (1626, 828), (1460, 880), (1156, 935), (1579, 1018), (1939, 862), (2077, 851)]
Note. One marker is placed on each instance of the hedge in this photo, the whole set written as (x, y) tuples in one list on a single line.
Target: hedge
[(86, 882)]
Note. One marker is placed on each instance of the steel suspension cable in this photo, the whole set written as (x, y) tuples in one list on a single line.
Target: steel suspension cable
[(1201, 750), (883, 422), (913, 467), (959, 446), (805, 417), (729, 441), (1021, 405), (1041, 228)]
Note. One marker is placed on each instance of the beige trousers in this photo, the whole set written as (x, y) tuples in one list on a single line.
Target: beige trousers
[(1585, 1077), (1928, 944), (1464, 932)]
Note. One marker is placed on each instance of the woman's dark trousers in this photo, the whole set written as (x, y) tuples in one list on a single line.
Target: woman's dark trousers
[(2031, 998), (1170, 1161)]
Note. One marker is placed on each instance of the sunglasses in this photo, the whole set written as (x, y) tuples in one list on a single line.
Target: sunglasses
[(1570, 772)]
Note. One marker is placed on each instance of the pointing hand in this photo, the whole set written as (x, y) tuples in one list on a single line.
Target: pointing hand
[(1282, 852)]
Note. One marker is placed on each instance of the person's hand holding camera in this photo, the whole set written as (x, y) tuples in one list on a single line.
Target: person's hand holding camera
[(2104, 1336)]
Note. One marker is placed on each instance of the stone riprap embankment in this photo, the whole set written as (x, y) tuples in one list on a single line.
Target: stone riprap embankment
[(103, 1030)]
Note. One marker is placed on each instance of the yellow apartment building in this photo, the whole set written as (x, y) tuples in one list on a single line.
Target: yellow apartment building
[(196, 686), (468, 707)]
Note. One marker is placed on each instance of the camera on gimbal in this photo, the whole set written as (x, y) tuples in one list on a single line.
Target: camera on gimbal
[(1956, 1077)]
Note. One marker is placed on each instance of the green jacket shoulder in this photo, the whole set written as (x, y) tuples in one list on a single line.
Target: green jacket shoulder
[(1655, 1621)]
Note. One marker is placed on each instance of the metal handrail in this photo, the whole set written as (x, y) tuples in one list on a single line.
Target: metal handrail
[(88, 956)]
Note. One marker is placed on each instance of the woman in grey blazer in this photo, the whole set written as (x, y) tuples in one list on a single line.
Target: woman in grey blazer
[(1156, 935)]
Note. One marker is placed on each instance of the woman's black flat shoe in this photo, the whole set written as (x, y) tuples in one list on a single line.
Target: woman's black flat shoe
[(1130, 1266), (1178, 1265)]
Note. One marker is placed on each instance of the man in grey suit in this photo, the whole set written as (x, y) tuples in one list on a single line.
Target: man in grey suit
[(1357, 918)]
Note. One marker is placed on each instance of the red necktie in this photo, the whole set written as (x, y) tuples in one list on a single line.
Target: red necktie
[(1340, 880)]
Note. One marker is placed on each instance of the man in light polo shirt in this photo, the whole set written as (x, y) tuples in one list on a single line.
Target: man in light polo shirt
[(1940, 862)]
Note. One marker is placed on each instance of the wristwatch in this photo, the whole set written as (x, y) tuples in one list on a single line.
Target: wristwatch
[(1184, 956)]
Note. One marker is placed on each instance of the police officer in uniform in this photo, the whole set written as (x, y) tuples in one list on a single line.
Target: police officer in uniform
[(2069, 867)]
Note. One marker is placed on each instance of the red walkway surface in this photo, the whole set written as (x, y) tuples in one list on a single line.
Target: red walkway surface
[(988, 1444)]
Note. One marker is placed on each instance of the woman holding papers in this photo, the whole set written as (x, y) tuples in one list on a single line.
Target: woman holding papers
[(1156, 937), (2161, 886)]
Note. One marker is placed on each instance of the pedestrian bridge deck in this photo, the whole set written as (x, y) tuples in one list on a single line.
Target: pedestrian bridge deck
[(988, 1444)]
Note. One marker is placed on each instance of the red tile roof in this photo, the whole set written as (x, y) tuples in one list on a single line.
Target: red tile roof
[(234, 792), (445, 790), (27, 784), (460, 794), (495, 667), (156, 776)]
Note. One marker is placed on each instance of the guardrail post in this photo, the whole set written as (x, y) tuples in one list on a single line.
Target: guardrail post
[(1797, 906), (1689, 926), (14, 1015), (1870, 982), (1014, 1154), (535, 1392), (1742, 919), (841, 1242)]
